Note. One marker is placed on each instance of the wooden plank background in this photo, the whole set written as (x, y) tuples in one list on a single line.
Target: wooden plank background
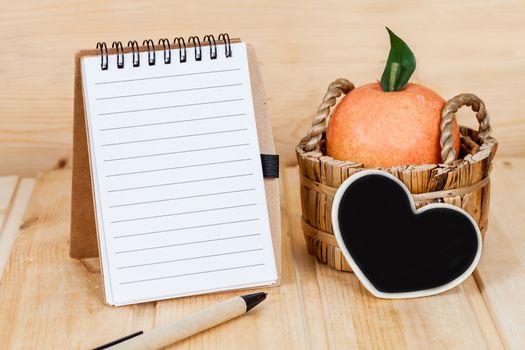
[(461, 46)]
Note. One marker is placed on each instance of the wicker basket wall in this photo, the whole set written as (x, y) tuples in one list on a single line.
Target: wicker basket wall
[(463, 182)]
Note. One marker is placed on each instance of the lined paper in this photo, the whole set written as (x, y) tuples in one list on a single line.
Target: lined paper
[(178, 185)]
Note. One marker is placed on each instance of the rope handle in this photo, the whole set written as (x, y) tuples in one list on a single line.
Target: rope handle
[(316, 133), (448, 153), (320, 122)]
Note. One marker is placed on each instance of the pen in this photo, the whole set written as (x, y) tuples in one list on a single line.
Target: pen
[(163, 336)]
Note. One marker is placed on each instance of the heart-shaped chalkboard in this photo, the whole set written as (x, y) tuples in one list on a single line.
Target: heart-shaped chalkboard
[(395, 250)]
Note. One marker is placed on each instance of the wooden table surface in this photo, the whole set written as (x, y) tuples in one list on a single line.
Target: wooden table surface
[(50, 301)]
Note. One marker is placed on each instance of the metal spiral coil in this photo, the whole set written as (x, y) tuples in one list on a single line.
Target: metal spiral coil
[(182, 48), (213, 45), (227, 44), (196, 46), (179, 43), (136, 54), (151, 51), (167, 52), (103, 55), (120, 53)]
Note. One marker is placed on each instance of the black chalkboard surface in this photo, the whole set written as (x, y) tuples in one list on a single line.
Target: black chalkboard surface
[(396, 251)]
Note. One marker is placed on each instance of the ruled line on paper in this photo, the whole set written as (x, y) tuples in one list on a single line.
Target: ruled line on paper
[(168, 91), (167, 76), (175, 137), (184, 213), (189, 258), (172, 122), (187, 243), (170, 107), (177, 152), (180, 182), (192, 273), (185, 228), (179, 198), (180, 167)]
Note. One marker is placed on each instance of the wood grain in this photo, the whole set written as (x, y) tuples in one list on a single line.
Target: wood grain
[(461, 46), (501, 272), (13, 213), (43, 292), (7, 190)]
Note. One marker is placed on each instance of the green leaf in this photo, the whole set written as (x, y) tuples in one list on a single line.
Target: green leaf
[(400, 65)]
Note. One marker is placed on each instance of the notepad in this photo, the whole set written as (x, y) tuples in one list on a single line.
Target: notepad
[(177, 180)]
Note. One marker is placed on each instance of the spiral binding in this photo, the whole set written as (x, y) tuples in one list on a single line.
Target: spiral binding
[(167, 53), (196, 46), (135, 49), (103, 55), (213, 45), (179, 42), (120, 53), (227, 44), (151, 51)]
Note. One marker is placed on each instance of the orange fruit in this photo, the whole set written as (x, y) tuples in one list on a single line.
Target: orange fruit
[(384, 129)]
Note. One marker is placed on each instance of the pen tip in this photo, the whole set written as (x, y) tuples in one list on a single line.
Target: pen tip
[(252, 300)]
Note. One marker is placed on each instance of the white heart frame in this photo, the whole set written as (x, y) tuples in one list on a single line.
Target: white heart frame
[(361, 276)]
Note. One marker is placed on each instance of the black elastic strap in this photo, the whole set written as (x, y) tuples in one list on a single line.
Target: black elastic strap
[(270, 165)]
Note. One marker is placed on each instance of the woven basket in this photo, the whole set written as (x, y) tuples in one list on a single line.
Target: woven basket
[(463, 182)]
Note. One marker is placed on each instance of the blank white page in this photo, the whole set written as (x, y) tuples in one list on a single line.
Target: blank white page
[(177, 178)]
